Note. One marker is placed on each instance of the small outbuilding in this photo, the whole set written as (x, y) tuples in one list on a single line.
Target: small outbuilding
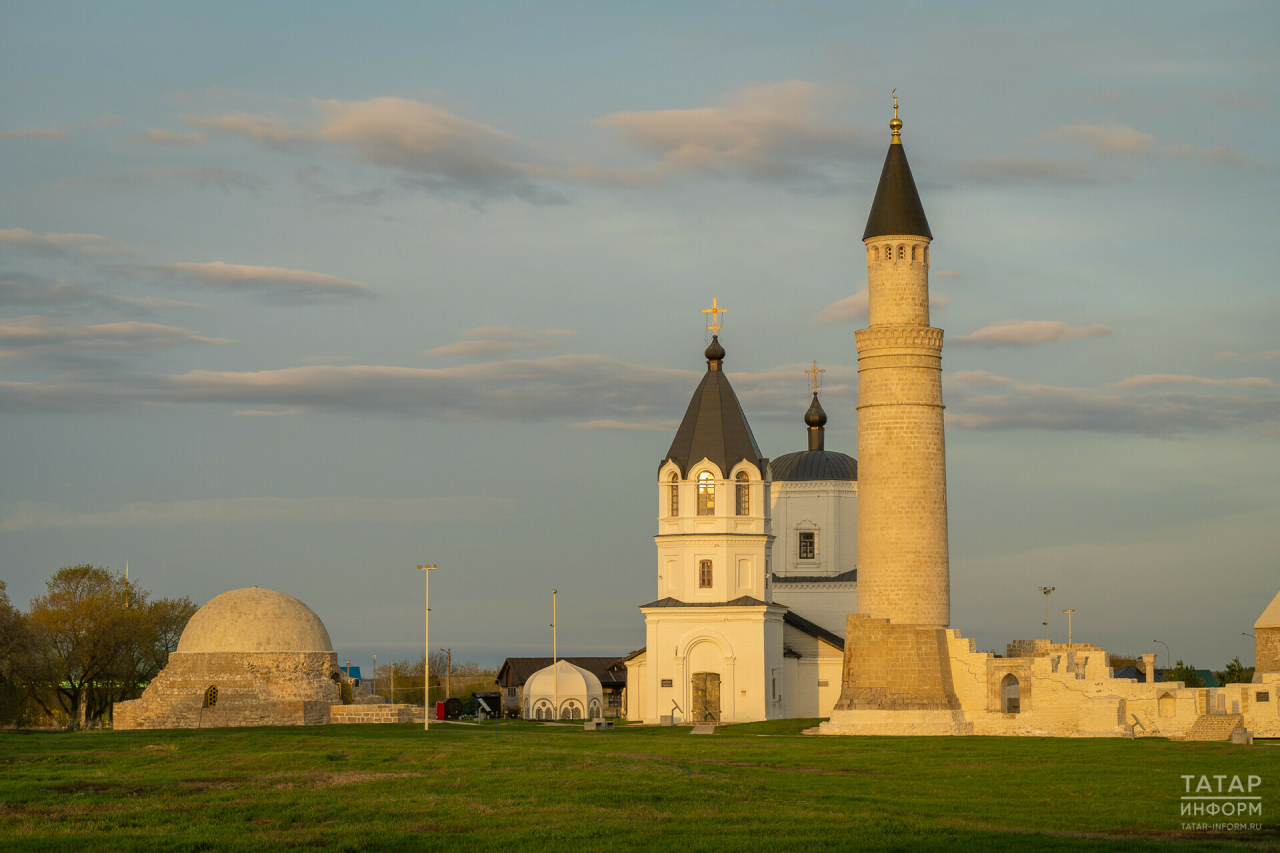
[(563, 691)]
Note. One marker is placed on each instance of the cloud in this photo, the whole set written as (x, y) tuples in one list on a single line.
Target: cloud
[(90, 245), (335, 510), (161, 136), (1181, 379), (1126, 410), (1029, 332), (610, 423), (19, 288), (1105, 138), (32, 133), (202, 176), (272, 284), (36, 335), (1019, 169), (1266, 355), (1222, 155), (493, 341), (855, 308), (435, 149), (771, 134)]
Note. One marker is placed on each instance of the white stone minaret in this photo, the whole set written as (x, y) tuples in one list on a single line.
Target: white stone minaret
[(903, 570)]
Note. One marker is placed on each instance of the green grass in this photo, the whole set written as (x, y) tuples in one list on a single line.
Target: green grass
[(518, 786)]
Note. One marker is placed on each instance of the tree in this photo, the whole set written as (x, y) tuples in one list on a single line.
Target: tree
[(1184, 672), (15, 661), (97, 639), (1235, 673)]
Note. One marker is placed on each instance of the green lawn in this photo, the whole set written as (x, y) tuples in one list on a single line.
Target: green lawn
[(517, 786)]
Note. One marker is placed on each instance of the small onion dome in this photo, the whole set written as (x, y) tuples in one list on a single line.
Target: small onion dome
[(815, 417), (715, 352)]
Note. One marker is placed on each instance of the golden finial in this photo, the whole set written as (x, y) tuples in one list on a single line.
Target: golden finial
[(896, 124), (815, 377), (713, 322)]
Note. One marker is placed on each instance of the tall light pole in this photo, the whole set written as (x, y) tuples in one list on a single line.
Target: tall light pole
[(1069, 613), (448, 670), (1167, 655), (375, 672), (426, 646), (555, 653), (1046, 590)]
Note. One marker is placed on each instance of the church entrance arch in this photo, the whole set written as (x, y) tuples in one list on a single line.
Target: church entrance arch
[(1010, 692), (706, 697)]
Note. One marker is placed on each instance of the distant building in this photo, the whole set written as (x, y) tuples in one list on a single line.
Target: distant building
[(515, 672)]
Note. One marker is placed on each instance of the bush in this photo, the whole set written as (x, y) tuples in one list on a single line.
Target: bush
[(344, 691)]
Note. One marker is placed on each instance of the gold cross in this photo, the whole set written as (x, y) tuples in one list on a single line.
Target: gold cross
[(815, 377), (714, 324)]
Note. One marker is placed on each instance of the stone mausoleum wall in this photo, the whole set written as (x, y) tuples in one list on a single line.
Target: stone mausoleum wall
[(253, 689)]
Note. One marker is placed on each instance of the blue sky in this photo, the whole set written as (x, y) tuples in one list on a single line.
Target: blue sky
[(305, 295)]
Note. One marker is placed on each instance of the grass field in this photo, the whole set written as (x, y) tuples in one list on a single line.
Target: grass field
[(517, 786)]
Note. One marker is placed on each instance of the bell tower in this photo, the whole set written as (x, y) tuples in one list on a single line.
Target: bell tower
[(903, 568)]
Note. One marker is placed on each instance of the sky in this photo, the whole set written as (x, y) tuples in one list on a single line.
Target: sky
[(304, 295)]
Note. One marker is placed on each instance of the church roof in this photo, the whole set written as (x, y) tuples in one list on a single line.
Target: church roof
[(802, 624), (714, 426), (897, 208), (1270, 617), (815, 465), (851, 576), (741, 601)]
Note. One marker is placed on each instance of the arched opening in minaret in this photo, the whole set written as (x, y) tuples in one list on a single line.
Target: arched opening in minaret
[(744, 494), (1010, 691), (706, 494), (675, 494)]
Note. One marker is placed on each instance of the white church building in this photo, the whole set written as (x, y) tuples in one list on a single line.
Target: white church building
[(757, 569)]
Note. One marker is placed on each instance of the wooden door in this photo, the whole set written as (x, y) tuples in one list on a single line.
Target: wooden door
[(706, 697)]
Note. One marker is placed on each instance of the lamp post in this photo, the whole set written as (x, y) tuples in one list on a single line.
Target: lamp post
[(1069, 613), (555, 653), (1046, 590), (1167, 655), (448, 670), (375, 673), (426, 646)]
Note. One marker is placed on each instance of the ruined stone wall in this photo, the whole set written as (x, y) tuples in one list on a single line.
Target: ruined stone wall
[(253, 689), (376, 714)]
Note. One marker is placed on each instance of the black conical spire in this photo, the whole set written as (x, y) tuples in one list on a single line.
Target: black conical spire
[(897, 208)]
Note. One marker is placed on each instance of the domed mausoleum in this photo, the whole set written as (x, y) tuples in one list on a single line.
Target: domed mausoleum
[(249, 657), (575, 691)]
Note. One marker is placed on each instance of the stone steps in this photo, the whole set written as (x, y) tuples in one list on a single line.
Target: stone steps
[(1213, 727)]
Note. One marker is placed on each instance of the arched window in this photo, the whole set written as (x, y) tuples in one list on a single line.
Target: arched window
[(926, 255), (706, 494), (913, 253), (888, 253), (1168, 706), (211, 696), (1009, 694), (902, 253), (704, 574), (744, 494), (675, 494)]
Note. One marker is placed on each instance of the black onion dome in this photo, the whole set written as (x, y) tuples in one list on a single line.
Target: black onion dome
[(815, 417), (714, 426), (815, 465), (897, 208)]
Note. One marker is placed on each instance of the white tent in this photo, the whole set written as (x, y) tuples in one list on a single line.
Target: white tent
[(562, 691)]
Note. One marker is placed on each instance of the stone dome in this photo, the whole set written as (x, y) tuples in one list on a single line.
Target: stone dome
[(255, 620)]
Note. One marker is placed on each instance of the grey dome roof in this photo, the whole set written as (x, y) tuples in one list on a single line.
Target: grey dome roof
[(714, 426), (897, 208), (815, 465)]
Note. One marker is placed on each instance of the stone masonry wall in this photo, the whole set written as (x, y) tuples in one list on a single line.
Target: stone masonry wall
[(254, 689), (376, 714), (903, 568), (890, 667), (1267, 649)]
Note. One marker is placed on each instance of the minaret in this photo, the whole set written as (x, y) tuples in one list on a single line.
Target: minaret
[(903, 570)]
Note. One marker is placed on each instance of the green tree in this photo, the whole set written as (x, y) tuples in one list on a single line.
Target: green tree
[(15, 661), (98, 639), (1236, 673), (1184, 672)]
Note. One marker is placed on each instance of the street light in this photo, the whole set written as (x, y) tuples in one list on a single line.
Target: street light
[(1046, 590), (1247, 634), (1167, 654), (426, 645), (1069, 613)]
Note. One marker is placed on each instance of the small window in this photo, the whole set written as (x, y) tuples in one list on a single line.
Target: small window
[(706, 494), (913, 253), (888, 253), (902, 253), (211, 697), (675, 494), (926, 255), (744, 494), (806, 545), (704, 574), (1264, 697), (666, 682), (823, 683)]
